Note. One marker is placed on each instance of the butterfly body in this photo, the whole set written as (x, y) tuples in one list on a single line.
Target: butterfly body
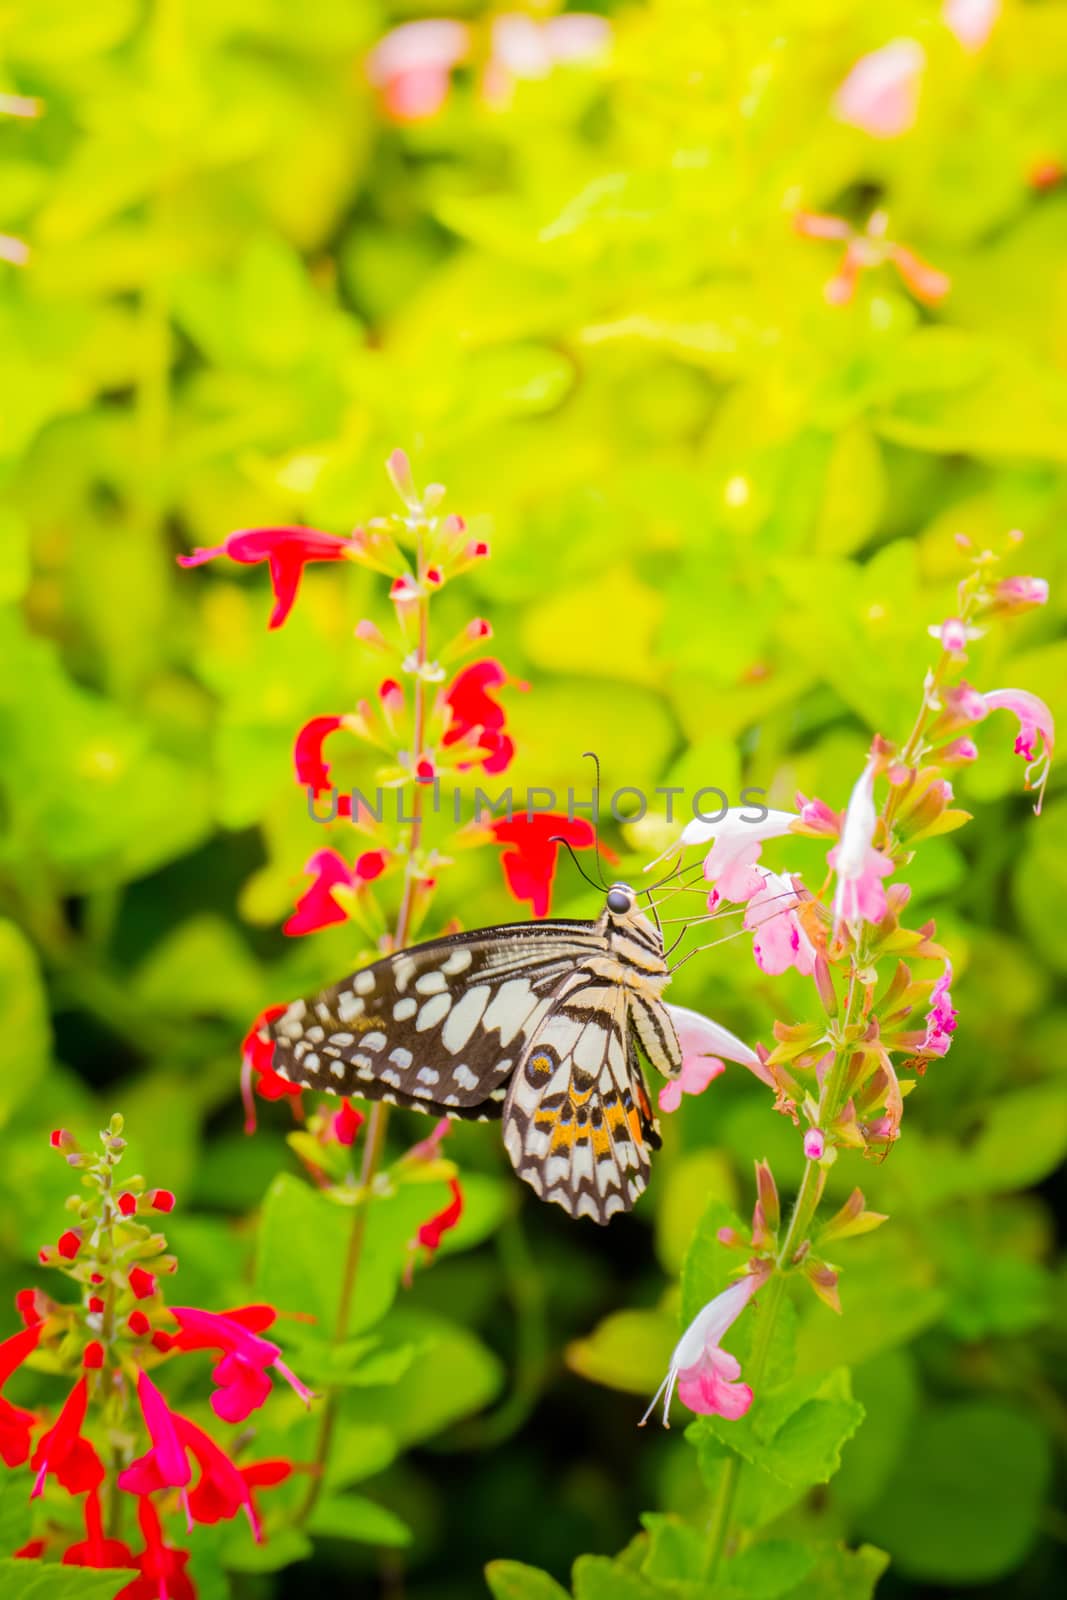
[(535, 1023)]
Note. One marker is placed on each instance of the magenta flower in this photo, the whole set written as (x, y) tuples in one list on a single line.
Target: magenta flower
[(241, 1372), (706, 1375), (318, 907), (164, 1464), (860, 868), (1035, 740), (285, 550), (881, 93), (1013, 595), (941, 1017), (780, 941), (814, 1144)]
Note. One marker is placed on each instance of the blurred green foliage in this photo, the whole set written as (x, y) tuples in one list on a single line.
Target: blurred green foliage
[(722, 513)]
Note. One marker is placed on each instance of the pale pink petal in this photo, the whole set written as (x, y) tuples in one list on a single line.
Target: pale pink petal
[(881, 93), (971, 20), (1036, 738)]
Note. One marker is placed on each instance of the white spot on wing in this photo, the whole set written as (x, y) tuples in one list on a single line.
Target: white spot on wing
[(403, 972), (363, 982), (373, 1041), (404, 1009), (431, 983), (464, 1017), (349, 1006), (465, 1077), (432, 1012), (458, 961), (428, 1075), (510, 1008), (400, 1056)]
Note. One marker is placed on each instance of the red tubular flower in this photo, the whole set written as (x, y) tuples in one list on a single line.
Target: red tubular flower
[(32, 1305), (95, 1550), (161, 1567), (312, 771), (32, 1550), (529, 862), (127, 1203), (64, 1453), (15, 1423), (433, 1231), (286, 552), (68, 1244), (138, 1324), (160, 1199), (93, 1356), (346, 1123), (242, 1371), (164, 1465), (477, 718), (257, 1056), (223, 1489), (317, 907)]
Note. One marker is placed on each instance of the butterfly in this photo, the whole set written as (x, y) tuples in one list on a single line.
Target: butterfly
[(538, 1024)]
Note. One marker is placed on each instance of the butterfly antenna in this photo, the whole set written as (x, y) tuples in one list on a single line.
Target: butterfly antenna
[(595, 759), (557, 838)]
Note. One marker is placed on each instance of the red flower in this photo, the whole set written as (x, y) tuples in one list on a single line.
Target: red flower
[(164, 1465), (476, 717), (95, 1550), (64, 1453), (286, 551), (93, 1356), (346, 1123), (138, 1324), (312, 771), (127, 1203), (431, 1233), (242, 1371), (162, 1568), (68, 1244), (160, 1199), (32, 1550), (32, 1305), (15, 1423), (257, 1055), (223, 1488), (317, 908), (142, 1283), (530, 861)]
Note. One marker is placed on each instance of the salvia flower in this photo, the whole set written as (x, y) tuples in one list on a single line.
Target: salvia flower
[(971, 21), (476, 719), (706, 1045), (781, 940), (941, 1017), (531, 849), (866, 249), (860, 868), (16, 1424), (1036, 738), (287, 551), (707, 1377), (242, 1372)]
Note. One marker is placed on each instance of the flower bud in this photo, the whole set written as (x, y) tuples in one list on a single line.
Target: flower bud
[(160, 1199), (958, 752), (138, 1324), (142, 1283), (814, 1144), (93, 1356), (823, 1280), (824, 984), (60, 1139), (767, 1192), (127, 1203), (1014, 595), (69, 1243)]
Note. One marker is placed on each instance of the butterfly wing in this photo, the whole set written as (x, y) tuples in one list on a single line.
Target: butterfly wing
[(439, 1027), (578, 1122)]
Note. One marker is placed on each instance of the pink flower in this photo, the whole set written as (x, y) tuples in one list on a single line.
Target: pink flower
[(433, 1231), (705, 1374), (525, 48), (814, 1144), (860, 868), (285, 550), (780, 941), (241, 1373), (318, 907), (881, 93), (970, 20), (164, 1464), (941, 1017), (959, 751), (738, 839), (705, 1045), (954, 635), (1013, 595), (412, 67), (1035, 740)]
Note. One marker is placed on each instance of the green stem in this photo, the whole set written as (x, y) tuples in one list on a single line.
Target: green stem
[(379, 1115)]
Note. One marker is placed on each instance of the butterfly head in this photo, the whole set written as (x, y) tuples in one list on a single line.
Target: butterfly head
[(633, 938)]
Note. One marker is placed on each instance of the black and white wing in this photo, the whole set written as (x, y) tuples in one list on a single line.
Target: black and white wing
[(439, 1027), (578, 1122)]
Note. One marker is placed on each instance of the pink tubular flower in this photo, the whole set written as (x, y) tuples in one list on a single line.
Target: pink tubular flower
[(706, 1047), (780, 941), (15, 1423), (476, 718), (970, 20), (860, 868), (881, 93), (707, 1375), (285, 550), (63, 1453), (241, 1373), (941, 1017), (412, 66), (1035, 740), (532, 849), (164, 1465), (1013, 595), (317, 907)]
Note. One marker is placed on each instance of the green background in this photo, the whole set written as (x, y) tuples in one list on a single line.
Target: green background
[(722, 514)]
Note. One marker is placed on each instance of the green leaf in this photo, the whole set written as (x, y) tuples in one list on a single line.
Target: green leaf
[(26, 1045), (766, 1570), (629, 1350), (709, 1265), (14, 1511), (353, 1516), (964, 1505), (795, 1433), (841, 1574), (514, 1580), (31, 1580), (241, 1553), (676, 1551), (453, 1376), (887, 1389), (601, 1578)]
